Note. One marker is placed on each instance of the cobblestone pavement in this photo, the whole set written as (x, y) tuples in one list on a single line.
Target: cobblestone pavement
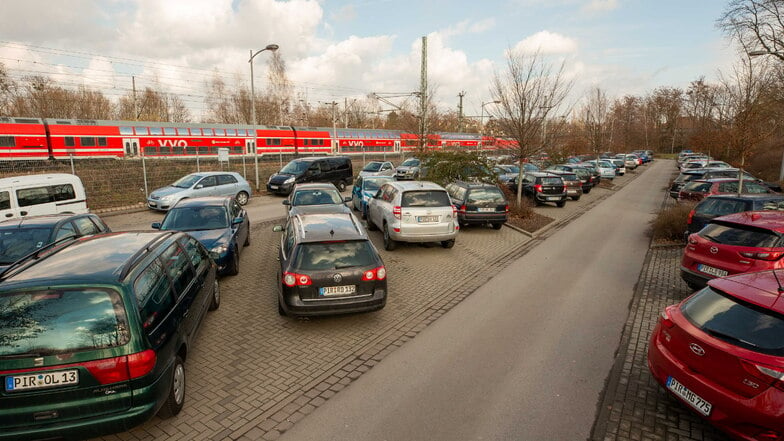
[(635, 407), (254, 374)]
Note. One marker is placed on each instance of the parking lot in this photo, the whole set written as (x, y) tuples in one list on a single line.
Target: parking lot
[(254, 374)]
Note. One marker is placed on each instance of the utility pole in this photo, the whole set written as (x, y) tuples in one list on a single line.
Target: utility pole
[(460, 112), (133, 84), (334, 105), (423, 96)]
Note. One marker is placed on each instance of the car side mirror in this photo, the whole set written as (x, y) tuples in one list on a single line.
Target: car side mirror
[(277, 228), (286, 202), (156, 225), (347, 199), (198, 186), (237, 221)]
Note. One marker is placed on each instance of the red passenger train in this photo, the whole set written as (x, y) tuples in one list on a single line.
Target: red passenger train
[(52, 138)]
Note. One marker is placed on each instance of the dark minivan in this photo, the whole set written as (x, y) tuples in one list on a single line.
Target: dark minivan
[(335, 169), (94, 333), (479, 203)]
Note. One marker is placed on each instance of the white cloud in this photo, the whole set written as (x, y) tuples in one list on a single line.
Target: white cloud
[(546, 43)]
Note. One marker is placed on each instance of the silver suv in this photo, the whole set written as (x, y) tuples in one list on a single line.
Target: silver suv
[(413, 212)]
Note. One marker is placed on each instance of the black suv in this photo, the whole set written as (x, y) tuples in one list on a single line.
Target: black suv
[(542, 187), (723, 204), (335, 169), (479, 203), (328, 265)]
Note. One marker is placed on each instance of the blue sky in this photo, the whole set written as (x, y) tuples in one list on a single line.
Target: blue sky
[(347, 49)]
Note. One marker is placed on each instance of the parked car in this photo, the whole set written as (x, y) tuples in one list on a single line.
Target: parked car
[(200, 184), (409, 169), (542, 187), (704, 173), (20, 237), (574, 186), (335, 169), (720, 352), (606, 168), (732, 244), (720, 205), (717, 164), (328, 265), (507, 172), (365, 187), (587, 178), (699, 189), (378, 168), (96, 332), (316, 198), (694, 164), (34, 195), (479, 203), (413, 212), (620, 166), (220, 224), (629, 161)]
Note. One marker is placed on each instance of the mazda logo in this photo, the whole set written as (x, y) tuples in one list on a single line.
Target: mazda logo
[(337, 278), (697, 349), (714, 250)]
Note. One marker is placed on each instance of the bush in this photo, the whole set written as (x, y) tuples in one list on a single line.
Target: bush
[(670, 224), (524, 210)]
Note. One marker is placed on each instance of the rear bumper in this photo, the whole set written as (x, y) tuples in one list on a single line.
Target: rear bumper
[(293, 305), (420, 238), (482, 218), (541, 197), (694, 278)]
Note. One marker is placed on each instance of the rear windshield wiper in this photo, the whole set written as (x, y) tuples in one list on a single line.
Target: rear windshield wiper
[(344, 266), (727, 337), (25, 355)]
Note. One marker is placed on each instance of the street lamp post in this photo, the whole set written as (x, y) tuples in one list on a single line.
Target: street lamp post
[(482, 123), (270, 47)]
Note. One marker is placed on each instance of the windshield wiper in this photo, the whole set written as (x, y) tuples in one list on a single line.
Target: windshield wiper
[(344, 266), (27, 354), (724, 336)]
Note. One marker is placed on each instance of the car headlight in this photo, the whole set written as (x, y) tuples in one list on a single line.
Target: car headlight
[(289, 180), (167, 198), (217, 252)]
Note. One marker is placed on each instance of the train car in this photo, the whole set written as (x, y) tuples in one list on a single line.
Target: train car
[(462, 141), (354, 141), (23, 138)]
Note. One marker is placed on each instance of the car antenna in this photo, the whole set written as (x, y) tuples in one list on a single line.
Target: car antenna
[(332, 233), (781, 289)]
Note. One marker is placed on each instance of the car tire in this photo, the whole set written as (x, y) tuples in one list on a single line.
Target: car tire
[(693, 286), (389, 243), (216, 299), (176, 397), (498, 225), (416, 176), (448, 243), (234, 265), (242, 198), (560, 204), (586, 191), (364, 214), (281, 311), (575, 198), (371, 226), (341, 185), (247, 238)]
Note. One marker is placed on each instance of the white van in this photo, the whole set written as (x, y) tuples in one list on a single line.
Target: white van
[(32, 195)]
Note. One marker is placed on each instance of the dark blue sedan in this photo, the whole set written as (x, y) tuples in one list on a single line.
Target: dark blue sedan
[(218, 223)]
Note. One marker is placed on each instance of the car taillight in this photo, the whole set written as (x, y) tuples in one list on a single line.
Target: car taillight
[(770, 255), (690, 217), (397, 212), (774, 376), (462, 209), (666, 321), (141, 363), (294, 279), (506, 208), (692, 240), (538, 188), (124, 368), (375, 274)]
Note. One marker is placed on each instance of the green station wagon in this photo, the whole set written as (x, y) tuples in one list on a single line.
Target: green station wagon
[(94, 333)]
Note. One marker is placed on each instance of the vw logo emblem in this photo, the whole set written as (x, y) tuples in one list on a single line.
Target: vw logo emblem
[(337, 278), (714, 250), (697, 349)]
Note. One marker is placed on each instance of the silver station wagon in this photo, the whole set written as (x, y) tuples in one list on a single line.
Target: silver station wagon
[(198, 185)]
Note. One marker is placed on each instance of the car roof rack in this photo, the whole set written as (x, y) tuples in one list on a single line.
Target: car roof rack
[(35, 256), (137, 256)]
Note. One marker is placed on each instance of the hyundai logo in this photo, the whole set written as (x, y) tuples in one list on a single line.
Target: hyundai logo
[(697, 349), (337, 278), (714, 250)]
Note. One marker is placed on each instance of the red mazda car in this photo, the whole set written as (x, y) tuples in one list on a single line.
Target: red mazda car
[(736, 243), (721, 352)]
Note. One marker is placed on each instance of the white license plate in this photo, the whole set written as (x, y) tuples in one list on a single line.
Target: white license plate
[(711, 270), (485, 210), (274, 187), (427, 218), (338, 290), (41, 380), (552, 198), (690, 397)]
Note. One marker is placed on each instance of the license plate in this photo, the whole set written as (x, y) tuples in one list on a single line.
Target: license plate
[(552, 198), (690, 397), (427, 218), (485, 210), (711, 270), (337, 290), (274, 187), (41, 380)]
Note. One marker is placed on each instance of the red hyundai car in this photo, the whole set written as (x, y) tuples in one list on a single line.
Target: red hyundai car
[(736, 243), (721, 352)]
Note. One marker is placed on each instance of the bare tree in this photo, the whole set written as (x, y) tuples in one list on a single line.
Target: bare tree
[(596, 121), (7, 89), (756, 25), (527, 92)]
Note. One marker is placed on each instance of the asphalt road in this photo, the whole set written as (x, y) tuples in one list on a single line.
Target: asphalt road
[(523, 358)]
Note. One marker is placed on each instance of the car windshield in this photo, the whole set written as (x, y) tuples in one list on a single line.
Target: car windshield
[(511, 169), (295, 167), (425, 198), (697, 187), (740, 235), (736, 322), (552, 181), (316, 197), (372, 185), (16, 243), (411, 162), (195, 218), (186, 181), (333, 255), (486, 194), (47, 322), (372, 167)]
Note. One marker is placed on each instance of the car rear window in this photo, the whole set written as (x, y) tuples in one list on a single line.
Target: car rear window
[(720, 207), (333, 255), (552, 181), (739, 235), (736, 322), (569, 177), (425, 198), (697, 187), (490, 194), (47, 322), (16, 243)]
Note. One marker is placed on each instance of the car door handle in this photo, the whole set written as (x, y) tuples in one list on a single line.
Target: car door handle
[(9, 214), (23, 213)]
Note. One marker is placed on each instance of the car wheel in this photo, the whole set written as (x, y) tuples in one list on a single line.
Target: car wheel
[(416, 176), (247, 238), (448, 243), (234, 265), (242, 198), (693, 286), (364, 213), (586, 191), (389, 243), (215, 302), (341, 186), (497, 226), (371, 226), (560, 204), (575, 198), (281, 311), (176, 397)]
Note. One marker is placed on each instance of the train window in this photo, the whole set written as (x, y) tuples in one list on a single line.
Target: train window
[(207, 132), (169, 131), (165, 150), (87, 141), (177, 150), (69, 141), (204, 150), (7, 141), (102, 142), (141, 130), (220, 132), (156, 131), (150, 151), (238, 149), (26, 121), (195, 132), (182, 131), (231, 132), (190, 150), (126, 130)]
